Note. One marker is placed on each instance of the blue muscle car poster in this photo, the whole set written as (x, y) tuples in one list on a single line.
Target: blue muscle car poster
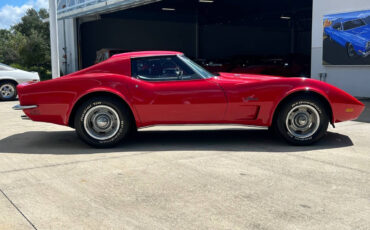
[(347, 38)]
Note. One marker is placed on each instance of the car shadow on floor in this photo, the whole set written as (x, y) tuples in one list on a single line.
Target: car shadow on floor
[(1, 101), (233, 140)]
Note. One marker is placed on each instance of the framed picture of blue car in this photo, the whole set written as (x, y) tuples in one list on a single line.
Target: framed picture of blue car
[(347, 38)]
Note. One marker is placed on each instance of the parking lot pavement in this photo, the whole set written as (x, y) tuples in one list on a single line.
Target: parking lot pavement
[(184, 178)]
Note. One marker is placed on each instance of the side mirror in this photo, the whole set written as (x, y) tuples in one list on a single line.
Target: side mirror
[(172, 72)]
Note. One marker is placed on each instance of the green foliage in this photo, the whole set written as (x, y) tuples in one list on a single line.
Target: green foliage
[(27, 44), (35, 51), (10, 48)]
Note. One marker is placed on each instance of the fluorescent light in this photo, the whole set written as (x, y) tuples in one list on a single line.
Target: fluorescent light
[(168, 9), (285, 17), (206, 1)]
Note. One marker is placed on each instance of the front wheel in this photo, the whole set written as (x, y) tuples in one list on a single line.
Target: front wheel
[(302, 121), (8, 91), (102, 122), (351, 52)]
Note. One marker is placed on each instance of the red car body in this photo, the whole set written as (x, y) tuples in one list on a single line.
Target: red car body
[(224, 99)]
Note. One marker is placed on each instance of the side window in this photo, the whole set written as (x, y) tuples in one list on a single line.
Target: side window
[(163, 68), (337, 26)]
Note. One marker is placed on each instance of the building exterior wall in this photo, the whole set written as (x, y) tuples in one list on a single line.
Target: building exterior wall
[(68, 56), (353, 79)]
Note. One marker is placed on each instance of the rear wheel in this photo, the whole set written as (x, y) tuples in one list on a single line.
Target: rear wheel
[(103, 122), (8, 91), (302, 121)]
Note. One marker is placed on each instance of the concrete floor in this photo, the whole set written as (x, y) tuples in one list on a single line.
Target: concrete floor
[(182, 179)]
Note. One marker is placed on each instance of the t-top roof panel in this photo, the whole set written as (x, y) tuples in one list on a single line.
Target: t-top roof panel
[(77, 8)]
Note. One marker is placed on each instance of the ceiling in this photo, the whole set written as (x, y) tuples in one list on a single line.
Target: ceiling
[(246, 12)]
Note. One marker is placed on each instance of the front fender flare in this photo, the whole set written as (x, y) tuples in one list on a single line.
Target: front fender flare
[(299, 90)]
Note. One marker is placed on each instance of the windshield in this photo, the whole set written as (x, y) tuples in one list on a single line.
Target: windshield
[(353, 24), (367, 20), (197, 68)]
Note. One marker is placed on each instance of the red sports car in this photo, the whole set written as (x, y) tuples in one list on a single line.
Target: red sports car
[(107, 101)]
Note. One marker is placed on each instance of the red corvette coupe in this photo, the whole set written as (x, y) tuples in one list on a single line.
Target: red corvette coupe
[(107, 101)]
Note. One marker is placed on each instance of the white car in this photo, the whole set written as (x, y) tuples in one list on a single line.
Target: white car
[(10, 78)]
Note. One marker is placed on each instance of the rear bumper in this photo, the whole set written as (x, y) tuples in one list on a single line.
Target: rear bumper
[(25, 117), (23, 107)]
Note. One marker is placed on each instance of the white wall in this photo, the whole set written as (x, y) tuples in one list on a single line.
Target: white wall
[(68, 56), (353, 79)]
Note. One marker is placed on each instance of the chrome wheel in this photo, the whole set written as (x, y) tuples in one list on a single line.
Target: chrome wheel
[(7, 91), (102, 122), (303, 121)]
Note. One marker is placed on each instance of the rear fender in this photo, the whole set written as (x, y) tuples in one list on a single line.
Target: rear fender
[(104, 90)]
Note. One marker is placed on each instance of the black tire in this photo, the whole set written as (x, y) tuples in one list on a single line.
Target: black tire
[(351, 52), (8, 85), (123, 126), (290, 107)]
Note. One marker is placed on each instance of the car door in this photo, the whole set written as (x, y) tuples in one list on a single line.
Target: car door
[(338, 34), (167, 91)]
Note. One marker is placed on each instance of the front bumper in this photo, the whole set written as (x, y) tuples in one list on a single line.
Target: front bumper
[(23, 107), (365, 54)]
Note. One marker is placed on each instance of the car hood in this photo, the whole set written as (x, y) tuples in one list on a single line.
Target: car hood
[(363, 32), (246, 77), (235, 80)]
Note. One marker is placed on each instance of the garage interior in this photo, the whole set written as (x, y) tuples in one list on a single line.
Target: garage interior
[(227, 35)]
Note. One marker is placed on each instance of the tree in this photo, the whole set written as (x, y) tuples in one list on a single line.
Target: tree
[(27, 44), (4, 38), (10, 47), (32, 21), (36, 51)]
